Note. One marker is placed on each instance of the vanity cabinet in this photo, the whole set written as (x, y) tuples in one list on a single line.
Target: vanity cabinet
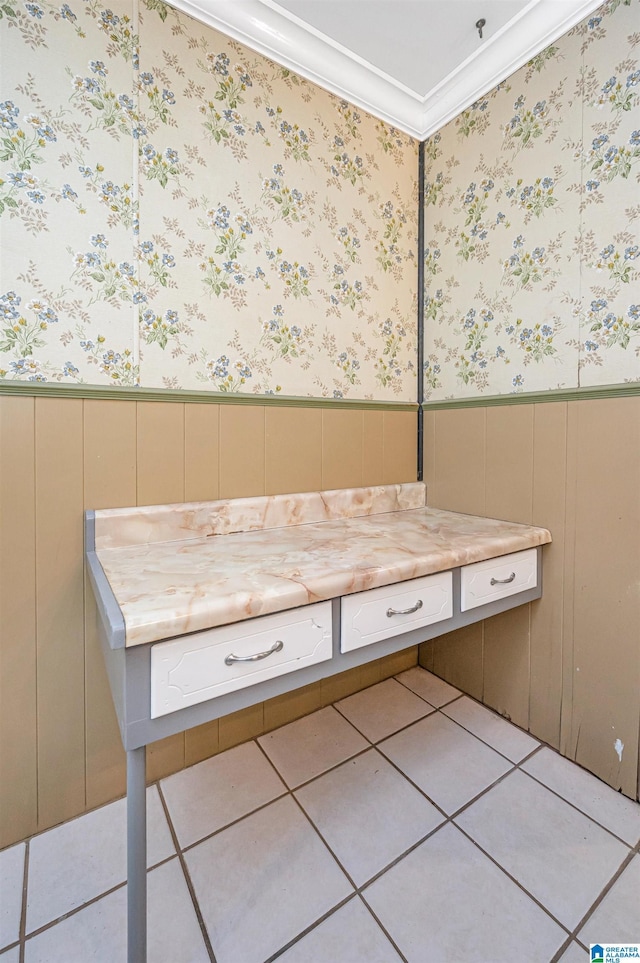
[(207, 608)]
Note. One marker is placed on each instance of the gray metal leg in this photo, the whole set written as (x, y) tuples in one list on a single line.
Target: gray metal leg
[(136, 856)]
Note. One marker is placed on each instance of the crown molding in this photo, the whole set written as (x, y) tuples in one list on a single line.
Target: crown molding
[(272, 31)]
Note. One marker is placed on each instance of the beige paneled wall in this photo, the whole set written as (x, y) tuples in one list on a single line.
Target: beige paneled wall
[(60, 750), (568, 666)]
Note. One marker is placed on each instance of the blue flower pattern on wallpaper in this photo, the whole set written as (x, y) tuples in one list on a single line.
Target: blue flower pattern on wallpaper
[(532, 255), (184, 213)]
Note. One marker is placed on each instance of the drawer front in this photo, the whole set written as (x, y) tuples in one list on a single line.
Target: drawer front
[(369, 617), (498, 578), (192, 668)]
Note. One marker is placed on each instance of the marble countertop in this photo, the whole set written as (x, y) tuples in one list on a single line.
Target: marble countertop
[(182, 568)]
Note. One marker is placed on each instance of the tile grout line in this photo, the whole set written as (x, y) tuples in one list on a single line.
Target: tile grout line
[(383, 928), (90, 902), (604, 892), (23, 910), (187, 877)]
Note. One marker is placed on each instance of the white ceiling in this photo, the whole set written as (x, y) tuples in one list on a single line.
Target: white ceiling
[(414, 43), (414, 63)]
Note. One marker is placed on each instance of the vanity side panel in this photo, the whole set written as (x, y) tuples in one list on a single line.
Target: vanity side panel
[(160, 460), (109, 482)]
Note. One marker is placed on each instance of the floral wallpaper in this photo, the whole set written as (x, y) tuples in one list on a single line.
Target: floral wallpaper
[(179, 212), (532, 209)]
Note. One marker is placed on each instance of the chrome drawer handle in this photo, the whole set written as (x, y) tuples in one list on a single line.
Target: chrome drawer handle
[(276, 647), (414, 608), (503, 581)]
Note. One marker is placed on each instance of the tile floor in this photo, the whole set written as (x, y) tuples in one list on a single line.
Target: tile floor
[(406, 822)]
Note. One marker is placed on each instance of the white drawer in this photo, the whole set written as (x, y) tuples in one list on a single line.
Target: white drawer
[(497, 578), (192, 668), (368, 617)]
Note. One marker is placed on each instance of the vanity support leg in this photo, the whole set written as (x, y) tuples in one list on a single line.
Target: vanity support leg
[(136, 856)]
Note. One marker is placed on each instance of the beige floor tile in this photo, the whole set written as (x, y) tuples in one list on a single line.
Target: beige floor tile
[(617, 918), (559, 855), (599, 801), (98, 933), (351, 806), (305, 748), (491, 728), (206, 797), (428, 686), (82, 859), (446, 901), (383, 709), (575, 954), (11, 879), (11, 956), (263, 881), (350, 935), (449, 764)]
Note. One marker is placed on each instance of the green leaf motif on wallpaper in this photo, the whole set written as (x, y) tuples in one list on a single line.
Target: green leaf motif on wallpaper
[(610, 161), (225, 380), (433, 190), (535, 341), (350, 244), (621, 266), (286, 202), (539, 62), (614, 329), (158, 329), (526, 124), (104, 278), (285, 339), (388, 368), (534, 198), (349, 168), (159, 102), (431, 258), (23, 143), (159, 266), (6, 11), (349, 366), (161, 8), (114, 113), (118, 30), (157, 166), (619, 95), (230, 88)]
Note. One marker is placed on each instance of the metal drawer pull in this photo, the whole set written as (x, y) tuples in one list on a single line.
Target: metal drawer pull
[(414, 608), (276, 647), (503, 581)]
